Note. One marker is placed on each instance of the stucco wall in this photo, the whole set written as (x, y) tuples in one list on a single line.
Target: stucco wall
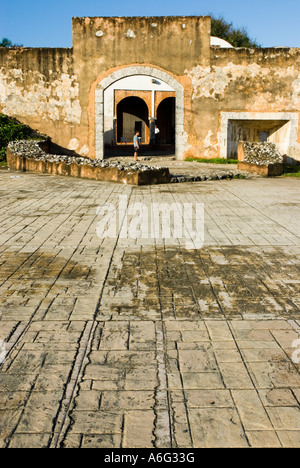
[(39, 88), (103, 46), (59, 91), (260, 81), (173, 43)]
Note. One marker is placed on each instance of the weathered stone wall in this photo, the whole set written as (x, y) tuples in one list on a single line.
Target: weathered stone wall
[(172, 43), (39, 88), (103, 46), (256, 81), (222, 95)]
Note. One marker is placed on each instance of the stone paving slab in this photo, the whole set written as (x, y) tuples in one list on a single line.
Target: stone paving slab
[(142, 342)]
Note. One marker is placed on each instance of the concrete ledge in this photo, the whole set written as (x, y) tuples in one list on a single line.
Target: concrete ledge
[(270, 170), (128, 176)]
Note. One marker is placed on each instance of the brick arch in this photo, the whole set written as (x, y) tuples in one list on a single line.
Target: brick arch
[(165, 114), (160, 96), (120, 96), (131, 71)]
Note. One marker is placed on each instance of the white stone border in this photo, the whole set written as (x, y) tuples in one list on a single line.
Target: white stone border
[(139, 70), (291, 117)]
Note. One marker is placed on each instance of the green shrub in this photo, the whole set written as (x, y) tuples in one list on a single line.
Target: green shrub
[(291, 171), (214, 160), (237, 37), (11, 130)]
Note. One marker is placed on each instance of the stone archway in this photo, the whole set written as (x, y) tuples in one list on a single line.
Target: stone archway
[(156, 74)]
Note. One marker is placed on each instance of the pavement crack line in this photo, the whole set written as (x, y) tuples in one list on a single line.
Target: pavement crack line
[(63, 418), (162, 427)]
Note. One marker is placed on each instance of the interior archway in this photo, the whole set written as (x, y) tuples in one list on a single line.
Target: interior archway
[(166, 121), (132, 115)]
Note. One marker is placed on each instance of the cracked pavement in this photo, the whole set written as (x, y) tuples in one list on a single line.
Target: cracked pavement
[(142, 342)]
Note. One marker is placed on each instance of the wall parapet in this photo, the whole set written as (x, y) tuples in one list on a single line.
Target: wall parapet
[(275, 56)]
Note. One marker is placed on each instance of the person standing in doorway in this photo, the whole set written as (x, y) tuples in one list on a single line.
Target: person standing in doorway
[(136, 145)]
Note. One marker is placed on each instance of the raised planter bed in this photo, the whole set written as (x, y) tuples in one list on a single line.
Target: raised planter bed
[(31, 156), (264, 170), (262, 159)]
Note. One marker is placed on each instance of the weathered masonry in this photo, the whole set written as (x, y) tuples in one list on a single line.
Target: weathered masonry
[(127, 74)]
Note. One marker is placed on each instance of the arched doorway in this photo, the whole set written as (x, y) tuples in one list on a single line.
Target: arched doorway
[(132, 116), (166, 121), (105, 118)]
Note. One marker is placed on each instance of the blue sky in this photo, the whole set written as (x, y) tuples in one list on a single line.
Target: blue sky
[(38, 23)]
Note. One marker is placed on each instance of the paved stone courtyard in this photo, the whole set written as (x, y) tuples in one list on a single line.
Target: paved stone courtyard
[(143, 343)]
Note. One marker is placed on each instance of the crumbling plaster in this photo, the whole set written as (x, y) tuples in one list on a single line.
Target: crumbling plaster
[(215, 82), (55, 100), (255, 87), (56, 91), (39, 88)]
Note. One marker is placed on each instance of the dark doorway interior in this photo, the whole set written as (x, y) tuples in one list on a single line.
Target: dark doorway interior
[(138, 127), (166, 121), (132, 116)]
